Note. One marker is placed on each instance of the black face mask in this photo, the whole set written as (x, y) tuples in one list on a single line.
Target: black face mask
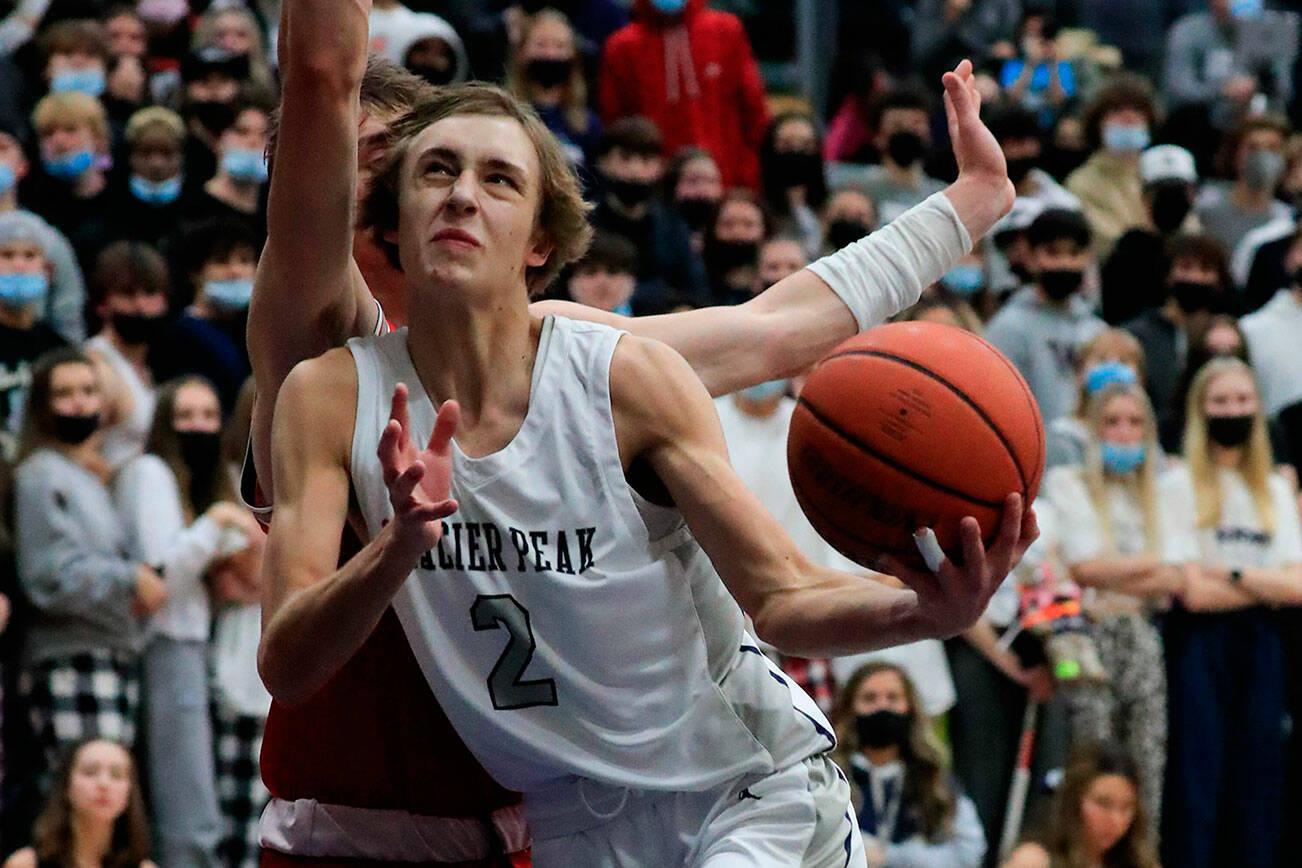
[(724, 256), (630, 193), (1229, 431), (843, 233), (200, 450), (137, 328), (697, 212), (905, 148), (1059, 283), (435, 75), (548, 72), (883, 728), (212, 115), (795, 168), (75, 430), (1020, 167), (1171, 205), (1193, 297)]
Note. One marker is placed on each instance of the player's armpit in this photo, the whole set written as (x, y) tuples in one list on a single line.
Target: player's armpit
[(664, 416)]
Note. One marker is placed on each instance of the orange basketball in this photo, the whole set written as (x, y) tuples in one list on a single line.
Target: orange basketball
[(912, 425)]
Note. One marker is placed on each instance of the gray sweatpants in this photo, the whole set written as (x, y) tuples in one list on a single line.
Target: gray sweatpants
[(179, 754)]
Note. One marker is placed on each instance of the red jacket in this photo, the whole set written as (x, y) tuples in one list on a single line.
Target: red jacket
[(711, 96)]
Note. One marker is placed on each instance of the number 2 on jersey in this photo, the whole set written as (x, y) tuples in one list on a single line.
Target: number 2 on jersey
[(506, 684)]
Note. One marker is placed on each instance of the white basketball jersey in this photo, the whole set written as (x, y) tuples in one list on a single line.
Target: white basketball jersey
[(568, 627)]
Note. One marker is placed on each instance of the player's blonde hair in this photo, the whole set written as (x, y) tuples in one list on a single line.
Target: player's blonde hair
[(1143, 486), (562, 213), (1255, 459)]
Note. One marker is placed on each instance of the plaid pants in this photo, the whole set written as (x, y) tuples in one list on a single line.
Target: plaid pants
[(94, 694), (237, 739)]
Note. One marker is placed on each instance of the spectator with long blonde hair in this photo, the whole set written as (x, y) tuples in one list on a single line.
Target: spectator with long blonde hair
[(546, 71), (1234, 517)]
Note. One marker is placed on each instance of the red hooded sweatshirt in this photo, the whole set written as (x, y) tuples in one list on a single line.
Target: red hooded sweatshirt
[(694, 75)]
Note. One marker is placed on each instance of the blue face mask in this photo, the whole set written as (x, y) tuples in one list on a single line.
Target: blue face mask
[(1245, 8), (69, 167), (624, 309), (87, 81), (155, 192), (765, 391), (7, 178), (231, 294), (1123, 137), (964, 279), (669, 7), (1099, 377), (245, 165), (1121, 459), (21, 288)]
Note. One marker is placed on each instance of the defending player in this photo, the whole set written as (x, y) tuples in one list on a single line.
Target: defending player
[(584, 649)]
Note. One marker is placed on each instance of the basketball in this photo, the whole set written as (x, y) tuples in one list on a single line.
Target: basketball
[(912, 425)]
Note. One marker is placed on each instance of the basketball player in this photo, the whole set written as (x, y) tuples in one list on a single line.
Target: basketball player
[(374, 737), (583, 647)]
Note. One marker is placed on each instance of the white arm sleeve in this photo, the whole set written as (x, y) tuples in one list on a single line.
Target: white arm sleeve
[(881, 275)]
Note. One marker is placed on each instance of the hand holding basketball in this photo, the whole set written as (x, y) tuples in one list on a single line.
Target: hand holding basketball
[(953, 597), (419, 481)]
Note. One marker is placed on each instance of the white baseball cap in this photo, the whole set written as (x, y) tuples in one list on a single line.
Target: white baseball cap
[(1167, 163)]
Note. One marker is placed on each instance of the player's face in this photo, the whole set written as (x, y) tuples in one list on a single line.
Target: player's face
[(1232, 393), (1123, 421), (196, 409), (74, 390), (21, 257), (468, 204), (881, 690), (1106, 811), (100, 782), (778, 259), (372, 139)]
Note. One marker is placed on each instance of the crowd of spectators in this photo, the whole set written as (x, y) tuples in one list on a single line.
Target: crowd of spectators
[(1147, 284)]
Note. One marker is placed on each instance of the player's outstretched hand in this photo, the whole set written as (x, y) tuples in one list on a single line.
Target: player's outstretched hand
[(976, 150), (953, 597), (419, 481)]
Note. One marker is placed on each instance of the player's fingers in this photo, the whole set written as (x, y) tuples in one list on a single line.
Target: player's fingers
[(387, 451), (401, 489), (445, 427), (435, 511), (398, 410), (932, 554), (974, 551), (1010, 524), (951, 118), (959, 93)]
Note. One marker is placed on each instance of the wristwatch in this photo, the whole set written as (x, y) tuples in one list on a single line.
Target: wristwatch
[(1236, 576)]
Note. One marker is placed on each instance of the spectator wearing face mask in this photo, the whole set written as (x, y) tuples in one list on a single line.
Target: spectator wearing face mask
[(1237, 521), (848, 216), (909, 809), (1254, 156), (791, 172), (1112, 357), (71, 188), (130, 301), (79, 676), (235, 31), (237, 191), (1020, 136), (694, 186), (76, 57), (1043, 328), (1118, 125), (1138, 263), (433, 50), (66, 297), (1112, 540), (180, 512), (152, 208), (690, 70), (24, 336), (630, 168), (1194, 285), (211, 91), (606, 276), (732, 246), (1274, 336), (546, 72), (901, 119)]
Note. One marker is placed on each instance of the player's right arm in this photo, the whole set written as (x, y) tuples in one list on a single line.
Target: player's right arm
[(308, 295)]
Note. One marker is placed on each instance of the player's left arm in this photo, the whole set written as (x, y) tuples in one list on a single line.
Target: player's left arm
[(664, 417), (790, 326)]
